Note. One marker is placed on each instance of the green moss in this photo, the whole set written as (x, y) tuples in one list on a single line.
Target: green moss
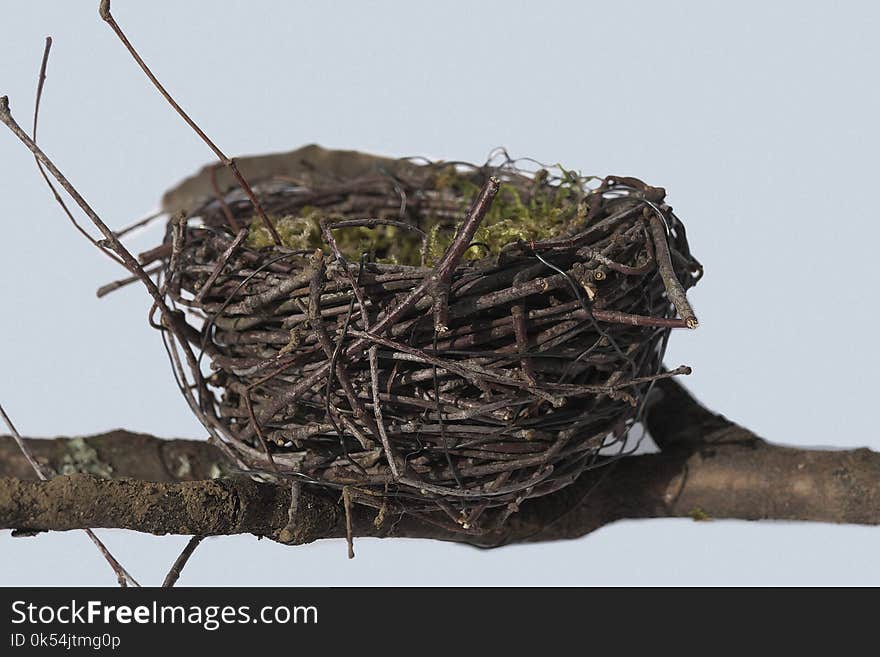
[(296, 336), (527, 211), (517, 213), (303, 232), (699, 515), (297, 232)]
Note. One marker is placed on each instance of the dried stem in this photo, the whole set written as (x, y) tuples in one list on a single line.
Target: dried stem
[(21, 446), (664, 265), (104, 11), (172, 321), (122, 282), (437, 284), (41, 79), (346, 505), (230, 218), (221, 263), (123, 577), (181, 561)]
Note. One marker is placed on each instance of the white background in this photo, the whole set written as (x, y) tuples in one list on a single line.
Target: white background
[(759, 118)]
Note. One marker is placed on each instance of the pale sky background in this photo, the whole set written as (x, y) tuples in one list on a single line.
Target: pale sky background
[(759, 118)]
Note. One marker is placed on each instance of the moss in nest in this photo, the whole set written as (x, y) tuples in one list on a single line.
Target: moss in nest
[(297, 232), (385, 244), (296, 337), (517, 213), (699, 515), (524, 210)]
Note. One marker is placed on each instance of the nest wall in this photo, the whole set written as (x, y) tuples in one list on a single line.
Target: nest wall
[(331, 360)]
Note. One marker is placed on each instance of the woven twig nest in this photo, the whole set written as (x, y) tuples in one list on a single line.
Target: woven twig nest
[(362, 354)]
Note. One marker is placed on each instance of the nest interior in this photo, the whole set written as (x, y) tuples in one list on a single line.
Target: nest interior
[(397, 348)]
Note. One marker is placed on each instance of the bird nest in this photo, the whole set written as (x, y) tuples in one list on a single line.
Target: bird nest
[(435, 338)]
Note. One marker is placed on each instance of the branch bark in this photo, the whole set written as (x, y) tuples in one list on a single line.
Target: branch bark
[(708, 467)]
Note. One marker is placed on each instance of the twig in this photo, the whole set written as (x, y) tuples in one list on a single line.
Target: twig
[(171, 320), (667, 271), (41, 79), (249, 404), (438, 282), (122, 575), (104, 290), (230, 218), (179, 563), (288, 532), (349, 534), (221, 263), (24, 450), (111, 241), (140, 223), (104, 11)]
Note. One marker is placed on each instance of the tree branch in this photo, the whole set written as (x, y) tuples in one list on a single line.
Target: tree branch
[(709, 467)]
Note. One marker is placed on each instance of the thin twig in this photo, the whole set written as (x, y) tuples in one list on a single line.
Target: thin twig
[(122, 575), (171, 321), (140, 223), (122, 282), (438, 282), (349, 534), (104, 11), (664, 265), (221, 263), (230, 218), (179, 563), (21, 446), (41, 79), (288, 532)]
